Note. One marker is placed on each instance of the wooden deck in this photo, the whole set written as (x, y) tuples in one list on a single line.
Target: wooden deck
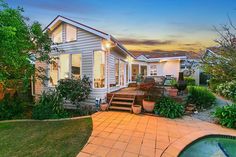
[(127, 93)]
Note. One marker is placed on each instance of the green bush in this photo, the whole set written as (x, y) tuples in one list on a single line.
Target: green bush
[(75, 90), (49, 106), (200, 96), (11, 107), (213, 83), (190, 81), (167, 107), (227, 89), (226, 115)]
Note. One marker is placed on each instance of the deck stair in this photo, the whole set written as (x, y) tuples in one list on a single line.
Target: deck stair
[(121, 102)]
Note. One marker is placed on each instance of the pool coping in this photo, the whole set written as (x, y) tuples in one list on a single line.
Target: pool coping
[(175, 148)]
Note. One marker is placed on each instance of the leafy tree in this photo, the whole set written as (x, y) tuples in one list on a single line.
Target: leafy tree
[(21, 44), (222, 65)]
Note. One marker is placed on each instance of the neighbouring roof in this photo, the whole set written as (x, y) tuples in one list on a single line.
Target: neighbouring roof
[(168, 54)]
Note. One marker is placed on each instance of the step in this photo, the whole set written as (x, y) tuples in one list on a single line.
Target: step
[(120, 108), (121, 103), (122, 98)]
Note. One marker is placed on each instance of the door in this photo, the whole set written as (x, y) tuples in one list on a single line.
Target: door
[(122, 73)]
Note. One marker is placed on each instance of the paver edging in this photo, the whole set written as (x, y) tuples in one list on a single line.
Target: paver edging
[(46, 120), (175, 148)]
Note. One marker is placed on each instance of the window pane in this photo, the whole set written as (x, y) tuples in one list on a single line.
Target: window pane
[(135, 71), (53, 73), (76, 66), (57, 35), (99, 69), (117, 71), (122, 73), (64, 66), (70, 33)]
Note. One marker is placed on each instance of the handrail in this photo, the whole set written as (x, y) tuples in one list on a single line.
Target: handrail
[(133, 100), (110, 100)]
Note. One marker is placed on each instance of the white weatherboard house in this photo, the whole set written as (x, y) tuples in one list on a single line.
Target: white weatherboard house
[(98, 55)]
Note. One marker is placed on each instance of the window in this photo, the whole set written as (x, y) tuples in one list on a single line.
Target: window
[(76, 66), (99, 69), (57, 35), (53, 72), (64, 66), (71, 33), (117, 71), (135, 71), (153, 70), (144, 70)]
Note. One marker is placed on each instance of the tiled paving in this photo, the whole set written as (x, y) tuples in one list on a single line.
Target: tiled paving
[(120, 134)]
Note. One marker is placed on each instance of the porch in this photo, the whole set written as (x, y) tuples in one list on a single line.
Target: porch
[(124, 98)]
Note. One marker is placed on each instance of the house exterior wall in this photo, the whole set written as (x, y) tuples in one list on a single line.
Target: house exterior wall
[(170, 67), (85, 45)]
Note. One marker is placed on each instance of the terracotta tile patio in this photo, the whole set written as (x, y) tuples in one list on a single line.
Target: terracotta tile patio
[(120, 134)]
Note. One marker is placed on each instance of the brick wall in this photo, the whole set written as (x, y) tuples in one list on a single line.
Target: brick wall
[(39, 87)]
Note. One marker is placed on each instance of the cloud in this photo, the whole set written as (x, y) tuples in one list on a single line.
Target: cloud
[(149, 42), (191, 27)]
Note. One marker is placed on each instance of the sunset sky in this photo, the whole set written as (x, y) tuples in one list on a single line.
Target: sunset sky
[(142, 25)]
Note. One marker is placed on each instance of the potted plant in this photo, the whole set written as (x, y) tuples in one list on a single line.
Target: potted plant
[(148, 102), (173, 91), (136, 109), (104, 106)]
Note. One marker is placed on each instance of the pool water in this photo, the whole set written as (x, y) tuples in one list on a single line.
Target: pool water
[(211, 146)]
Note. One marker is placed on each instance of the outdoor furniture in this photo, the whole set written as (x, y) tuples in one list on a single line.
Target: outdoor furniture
[(147, 83), (160, 80)]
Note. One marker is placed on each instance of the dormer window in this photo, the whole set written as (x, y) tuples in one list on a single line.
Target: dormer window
[(57, 35), (71, 33)]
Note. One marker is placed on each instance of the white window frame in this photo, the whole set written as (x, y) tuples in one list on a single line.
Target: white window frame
[(117, 85), (52, 37), (105, 70), (76, 32), (151, 70), (70, 64)]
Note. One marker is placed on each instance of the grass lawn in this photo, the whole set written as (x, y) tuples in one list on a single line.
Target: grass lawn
[(44, 139)]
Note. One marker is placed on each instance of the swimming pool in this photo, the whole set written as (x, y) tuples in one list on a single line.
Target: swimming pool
[(211, 146)]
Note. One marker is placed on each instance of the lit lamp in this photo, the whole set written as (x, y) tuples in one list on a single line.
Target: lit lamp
[(107, 45)]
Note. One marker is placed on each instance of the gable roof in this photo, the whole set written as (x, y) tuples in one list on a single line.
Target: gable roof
[(92, 30), (167, 55)]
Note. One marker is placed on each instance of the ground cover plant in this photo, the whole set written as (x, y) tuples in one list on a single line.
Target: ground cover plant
[(226, 115), (169, 108), (201, 97)]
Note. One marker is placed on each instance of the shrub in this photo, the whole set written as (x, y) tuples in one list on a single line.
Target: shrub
[(75, 90), (226, 115), (200, 96), (190, 81), (227, 89), (49, 106), (213, 83), (82, 110), (11, 107), (167, 107)]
